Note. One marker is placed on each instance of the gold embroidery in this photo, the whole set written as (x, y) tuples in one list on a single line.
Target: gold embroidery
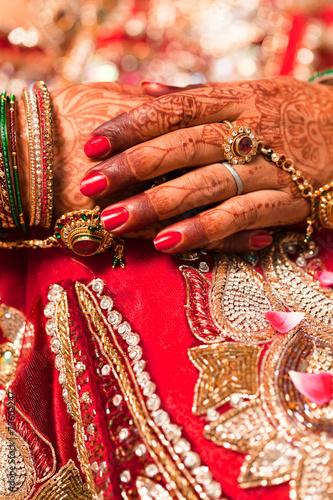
[(12, 323), (20, 468), (242, 428), (312, 468), (182, 484), (239, 299), (299, 290), (149, 490), (269, 465), (66, 484), (62, 317), (225, 369)]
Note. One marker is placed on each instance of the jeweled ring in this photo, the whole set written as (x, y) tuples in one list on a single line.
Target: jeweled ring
[(240, 145)]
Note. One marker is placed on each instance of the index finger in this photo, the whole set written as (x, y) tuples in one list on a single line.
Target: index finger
[(167, 113)]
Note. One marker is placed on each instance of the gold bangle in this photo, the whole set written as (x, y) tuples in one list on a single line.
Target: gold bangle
[(32, 160)]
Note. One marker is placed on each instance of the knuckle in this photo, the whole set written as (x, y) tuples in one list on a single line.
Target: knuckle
[(206, 184), (245, 212)]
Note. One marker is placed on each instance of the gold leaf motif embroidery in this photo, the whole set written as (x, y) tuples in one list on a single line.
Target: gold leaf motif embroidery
[(65, 485), (241, 429), (239, 299), (149, 490), (272, 464), (312, 468), (225, 369), (299, 290), (22, 467)]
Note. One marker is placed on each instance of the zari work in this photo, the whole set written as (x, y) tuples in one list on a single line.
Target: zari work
[(126, 443), (167, 465), (286, 436)]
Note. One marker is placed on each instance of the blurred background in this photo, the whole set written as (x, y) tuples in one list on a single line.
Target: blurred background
[(178, 42)]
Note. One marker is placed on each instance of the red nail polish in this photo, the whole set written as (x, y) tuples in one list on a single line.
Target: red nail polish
[(93, 184), (261, 240), (167, 240), (97, 146), (114, 217)]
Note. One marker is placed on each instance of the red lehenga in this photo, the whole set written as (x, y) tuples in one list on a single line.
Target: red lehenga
[(163, 380)]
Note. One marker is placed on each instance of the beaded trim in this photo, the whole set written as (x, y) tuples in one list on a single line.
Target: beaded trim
[(32, 159), (45, 114), (36, 133), (176, 460), (57, 310)]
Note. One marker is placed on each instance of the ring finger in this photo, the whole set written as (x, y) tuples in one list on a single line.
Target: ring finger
[(192, 147), (202, 186)]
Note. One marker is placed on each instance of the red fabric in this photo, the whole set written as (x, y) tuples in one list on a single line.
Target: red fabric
[(150, 293)]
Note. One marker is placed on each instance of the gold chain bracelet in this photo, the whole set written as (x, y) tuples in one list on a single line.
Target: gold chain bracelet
[(321, 199), (80, 231)]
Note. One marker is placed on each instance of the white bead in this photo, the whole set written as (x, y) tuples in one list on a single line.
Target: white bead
[(106, 369), (151, 470)]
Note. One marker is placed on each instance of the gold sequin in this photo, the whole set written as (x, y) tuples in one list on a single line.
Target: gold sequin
[(225, 369)]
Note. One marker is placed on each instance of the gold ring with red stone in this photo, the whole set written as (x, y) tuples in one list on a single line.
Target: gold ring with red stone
[(240, 145)]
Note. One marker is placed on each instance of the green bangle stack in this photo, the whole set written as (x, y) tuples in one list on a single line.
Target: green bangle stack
[(6, 161), (11, 204)]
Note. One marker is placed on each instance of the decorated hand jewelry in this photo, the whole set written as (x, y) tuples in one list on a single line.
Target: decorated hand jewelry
[(241, 144), (80, 231)]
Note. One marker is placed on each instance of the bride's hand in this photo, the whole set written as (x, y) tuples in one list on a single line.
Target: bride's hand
[(184, 129), (76, 111)]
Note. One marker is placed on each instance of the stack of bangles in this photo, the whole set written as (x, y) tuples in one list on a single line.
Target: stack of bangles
[(81, 230)]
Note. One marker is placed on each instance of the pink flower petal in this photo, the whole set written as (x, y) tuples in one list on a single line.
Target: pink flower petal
[(317, 387), (283, 322), (325, 278)]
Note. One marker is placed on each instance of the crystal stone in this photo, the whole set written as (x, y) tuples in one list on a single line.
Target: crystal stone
[(244, 146), (85, 245), (49, 310), (106, 302)]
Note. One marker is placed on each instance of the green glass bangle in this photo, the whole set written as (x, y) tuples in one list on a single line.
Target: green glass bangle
[(4, 141), (321, 76), (13, 148)]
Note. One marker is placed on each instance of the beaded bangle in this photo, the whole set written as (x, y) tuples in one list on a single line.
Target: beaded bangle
[(4, 205), (322, 76), (38, 156), (32, 160), (13, 217), (45, 116), (13, 147)]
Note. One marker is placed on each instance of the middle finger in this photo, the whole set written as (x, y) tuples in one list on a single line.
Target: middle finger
[(190, 147)]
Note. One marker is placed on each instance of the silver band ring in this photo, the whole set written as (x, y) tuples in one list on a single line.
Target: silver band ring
[(237, 179)]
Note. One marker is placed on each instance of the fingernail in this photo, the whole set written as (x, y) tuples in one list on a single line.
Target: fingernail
[(261, 240), (97, 146), (114, 217), (167, 240), (93, 184)]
